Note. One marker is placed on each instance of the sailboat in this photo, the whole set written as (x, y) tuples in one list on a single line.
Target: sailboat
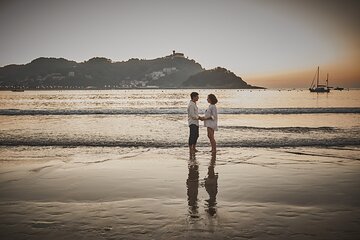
[(316, 87)]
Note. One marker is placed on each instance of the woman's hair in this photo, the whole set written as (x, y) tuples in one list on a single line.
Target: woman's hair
[(212, 98)]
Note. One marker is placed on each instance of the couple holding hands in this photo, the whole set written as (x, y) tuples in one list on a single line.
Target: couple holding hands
[(210, 121)]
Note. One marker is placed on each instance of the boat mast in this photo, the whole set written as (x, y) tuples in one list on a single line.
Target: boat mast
[(327, 80), (318, 73)]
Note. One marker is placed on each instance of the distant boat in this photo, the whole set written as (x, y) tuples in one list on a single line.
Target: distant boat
[(339, 88), (316, 87), (17, 90)]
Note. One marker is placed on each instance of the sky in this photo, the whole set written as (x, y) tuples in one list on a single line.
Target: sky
[(269, 43)]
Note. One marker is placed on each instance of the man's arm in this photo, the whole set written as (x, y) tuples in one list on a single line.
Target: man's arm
[(192, 113)]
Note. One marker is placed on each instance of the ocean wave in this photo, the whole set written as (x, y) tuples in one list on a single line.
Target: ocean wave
[(285, 129), (155, 111), (249, 143), (289, 110)]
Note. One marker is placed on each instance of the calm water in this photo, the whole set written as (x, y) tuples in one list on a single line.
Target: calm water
[(157, 118), (114, 165)]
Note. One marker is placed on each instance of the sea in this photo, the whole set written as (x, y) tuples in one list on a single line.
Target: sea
[(157, 118), (115, 164)]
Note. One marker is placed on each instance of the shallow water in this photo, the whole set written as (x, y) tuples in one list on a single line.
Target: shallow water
[(157, 118), (115, 165)]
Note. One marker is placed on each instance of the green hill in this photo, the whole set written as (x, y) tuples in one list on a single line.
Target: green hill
[(173, 71), (216, 78)]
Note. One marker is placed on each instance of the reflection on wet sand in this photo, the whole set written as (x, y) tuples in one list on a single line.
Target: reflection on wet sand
[(192, 184), (211, 187)]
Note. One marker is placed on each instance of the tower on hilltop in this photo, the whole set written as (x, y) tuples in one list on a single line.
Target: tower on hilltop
[(177, 55)]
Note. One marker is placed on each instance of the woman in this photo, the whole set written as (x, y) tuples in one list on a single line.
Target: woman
[(211, 120)]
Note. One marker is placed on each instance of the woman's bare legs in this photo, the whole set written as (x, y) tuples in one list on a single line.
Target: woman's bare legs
[(210, 133)]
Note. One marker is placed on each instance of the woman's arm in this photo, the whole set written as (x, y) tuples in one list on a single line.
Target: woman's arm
[(212, 113)]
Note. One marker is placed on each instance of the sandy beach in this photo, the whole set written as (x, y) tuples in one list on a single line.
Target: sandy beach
[(154, 193)]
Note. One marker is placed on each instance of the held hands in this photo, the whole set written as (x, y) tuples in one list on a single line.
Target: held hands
[(205, 118)]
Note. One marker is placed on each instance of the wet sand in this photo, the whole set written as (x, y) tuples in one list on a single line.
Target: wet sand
[(161, 193)]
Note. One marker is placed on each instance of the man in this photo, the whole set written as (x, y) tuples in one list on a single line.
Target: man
[(193, 120)]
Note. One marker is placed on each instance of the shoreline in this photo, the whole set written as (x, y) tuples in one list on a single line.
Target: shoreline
[(105, 89), (187, 89)]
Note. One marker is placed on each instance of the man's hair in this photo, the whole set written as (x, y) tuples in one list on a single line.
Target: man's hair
[(212, 98), (194, 94)]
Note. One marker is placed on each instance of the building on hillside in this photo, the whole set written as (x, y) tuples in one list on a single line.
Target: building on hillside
[(177, 55)]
